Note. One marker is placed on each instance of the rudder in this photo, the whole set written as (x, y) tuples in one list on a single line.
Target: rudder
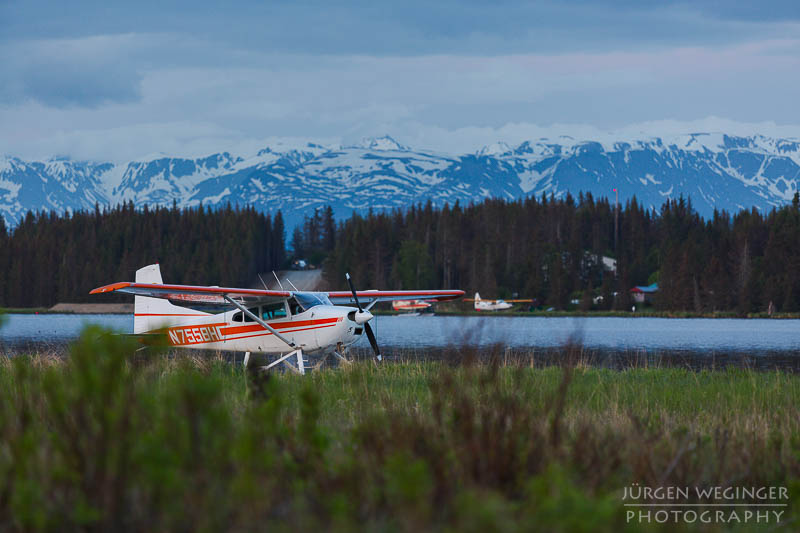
[(151, 313)]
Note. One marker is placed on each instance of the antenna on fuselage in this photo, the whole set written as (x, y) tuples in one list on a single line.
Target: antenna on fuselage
[(276, 279)]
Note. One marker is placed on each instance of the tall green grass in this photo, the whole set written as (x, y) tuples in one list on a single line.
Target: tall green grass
[(114, 439)]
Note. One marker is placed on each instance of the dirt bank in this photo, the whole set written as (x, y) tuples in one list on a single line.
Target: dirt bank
[(92, 308)]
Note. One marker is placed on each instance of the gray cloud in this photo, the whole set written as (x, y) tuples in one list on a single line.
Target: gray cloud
[(413, 27), (107, 80), (83, 72), (466, 101)]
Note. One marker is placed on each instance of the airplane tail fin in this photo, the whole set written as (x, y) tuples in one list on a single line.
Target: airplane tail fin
[(151, 313), (477, 297)]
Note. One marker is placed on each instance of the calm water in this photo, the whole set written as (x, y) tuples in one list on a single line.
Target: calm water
[(608, 333)]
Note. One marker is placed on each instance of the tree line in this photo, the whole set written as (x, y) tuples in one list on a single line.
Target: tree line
[(50, 258), (552, 250), (556, 250)]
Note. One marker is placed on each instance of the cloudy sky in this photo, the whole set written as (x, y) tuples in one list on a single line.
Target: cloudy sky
[(104, 81)]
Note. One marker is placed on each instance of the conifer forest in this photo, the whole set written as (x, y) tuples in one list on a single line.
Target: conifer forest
[(557, 250)]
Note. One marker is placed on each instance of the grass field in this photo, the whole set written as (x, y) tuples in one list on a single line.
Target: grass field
[(113, 439)]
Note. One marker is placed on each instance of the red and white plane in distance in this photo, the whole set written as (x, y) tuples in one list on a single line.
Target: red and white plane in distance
[(410, 306), (273, 322)]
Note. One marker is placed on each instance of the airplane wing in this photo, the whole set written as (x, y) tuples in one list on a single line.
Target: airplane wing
[(215, 295), (346, 297), (194, 293)]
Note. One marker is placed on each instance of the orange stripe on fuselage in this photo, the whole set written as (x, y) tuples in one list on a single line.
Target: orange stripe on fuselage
[(187, 334), (265, 333), (235, 330)]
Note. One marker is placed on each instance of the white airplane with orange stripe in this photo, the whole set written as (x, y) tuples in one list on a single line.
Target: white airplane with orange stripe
[(273, 322), (494, 305), (410, 306)]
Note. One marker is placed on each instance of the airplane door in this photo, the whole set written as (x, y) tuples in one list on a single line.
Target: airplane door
[(309, 337)]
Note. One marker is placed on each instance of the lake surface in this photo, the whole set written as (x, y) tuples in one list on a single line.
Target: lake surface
[(426, 331)]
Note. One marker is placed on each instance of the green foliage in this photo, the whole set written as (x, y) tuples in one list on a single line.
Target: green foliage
[(117, 439), (50, 258), (556, 502), (414, 267), (316, 237)]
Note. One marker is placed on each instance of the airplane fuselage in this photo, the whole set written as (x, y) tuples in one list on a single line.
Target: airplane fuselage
[(320, 328), (410, 305), (491, 305)]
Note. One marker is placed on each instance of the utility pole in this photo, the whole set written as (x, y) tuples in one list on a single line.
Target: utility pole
[(616, 221)]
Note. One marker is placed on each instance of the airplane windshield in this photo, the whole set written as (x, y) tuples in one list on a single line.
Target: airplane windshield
[(307, 300)]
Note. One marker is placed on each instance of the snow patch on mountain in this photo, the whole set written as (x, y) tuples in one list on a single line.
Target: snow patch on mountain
[(215, 199), (498, 148), (384, 143), (9, 189)]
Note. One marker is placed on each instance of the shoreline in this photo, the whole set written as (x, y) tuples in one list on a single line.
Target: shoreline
[(126, 309), (72, 309), (604, 314)]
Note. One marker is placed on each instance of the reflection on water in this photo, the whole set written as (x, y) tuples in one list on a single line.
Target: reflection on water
[(760, 343)]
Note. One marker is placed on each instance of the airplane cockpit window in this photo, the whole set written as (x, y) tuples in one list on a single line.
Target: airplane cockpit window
[(272, 311), (266, 312), (294, 306), (307, 300)]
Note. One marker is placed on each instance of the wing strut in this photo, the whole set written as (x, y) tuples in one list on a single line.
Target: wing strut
[(246, 311), (295, 350)]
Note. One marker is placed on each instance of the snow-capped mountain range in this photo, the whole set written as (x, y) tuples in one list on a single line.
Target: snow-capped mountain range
[(717, 171)]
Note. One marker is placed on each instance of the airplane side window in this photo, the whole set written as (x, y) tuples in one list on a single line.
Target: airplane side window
[(253, 310), (237, 317), (276, 310)]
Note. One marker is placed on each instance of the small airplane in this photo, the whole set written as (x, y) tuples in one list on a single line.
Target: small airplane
[(272, 322), (493, 305), (413, 306)]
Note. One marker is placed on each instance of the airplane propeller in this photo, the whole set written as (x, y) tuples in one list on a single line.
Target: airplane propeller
[(363, 317)]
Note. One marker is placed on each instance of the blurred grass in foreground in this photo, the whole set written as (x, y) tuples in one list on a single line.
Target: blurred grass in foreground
[(114, 439)]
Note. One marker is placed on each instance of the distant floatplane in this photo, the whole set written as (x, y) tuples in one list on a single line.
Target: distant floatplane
[(494, 305)]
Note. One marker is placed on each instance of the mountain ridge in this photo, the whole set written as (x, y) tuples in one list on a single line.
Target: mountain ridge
[(715, 170)]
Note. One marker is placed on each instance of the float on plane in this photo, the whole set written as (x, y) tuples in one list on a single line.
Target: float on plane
[(493, 305), (286, 324)]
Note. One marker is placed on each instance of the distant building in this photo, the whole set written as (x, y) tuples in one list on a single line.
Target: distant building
[(642, 294), (609, 263)]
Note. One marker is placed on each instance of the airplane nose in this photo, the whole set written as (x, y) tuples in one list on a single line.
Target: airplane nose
[(362, 317)]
